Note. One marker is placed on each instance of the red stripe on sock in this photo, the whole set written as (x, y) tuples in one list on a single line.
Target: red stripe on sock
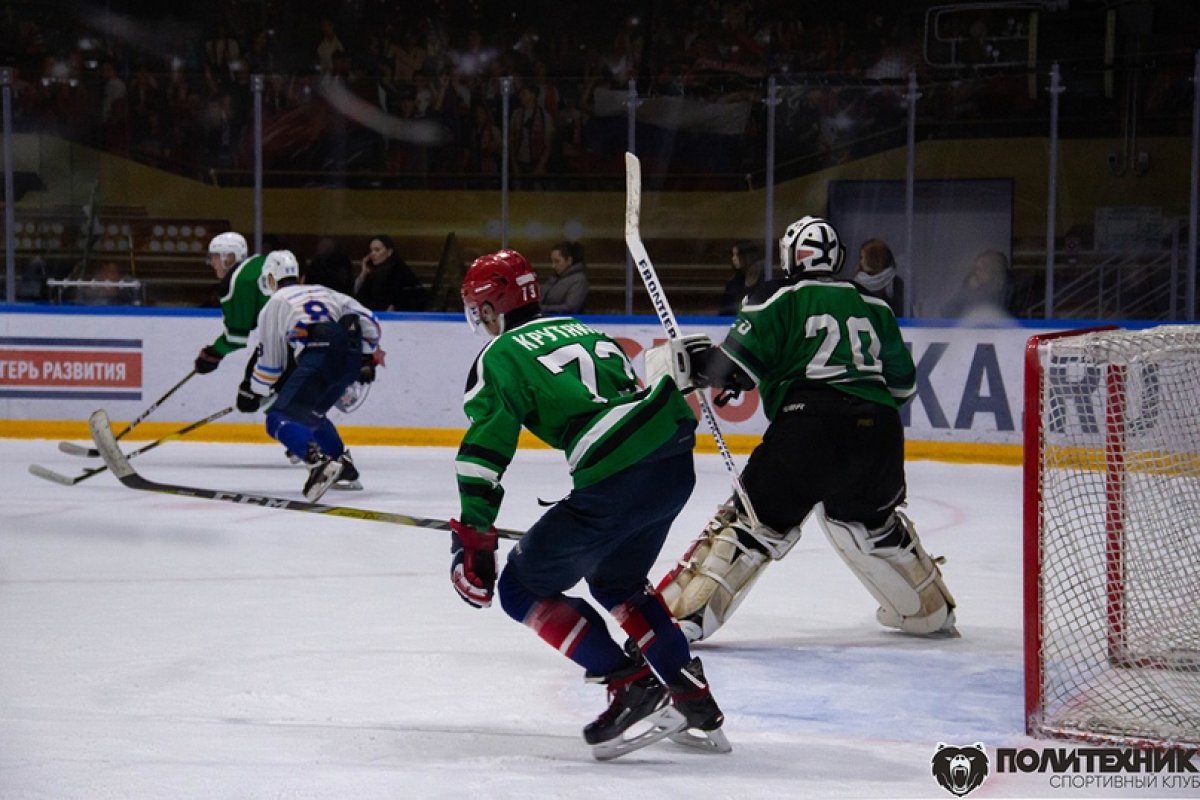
[(558, 624)]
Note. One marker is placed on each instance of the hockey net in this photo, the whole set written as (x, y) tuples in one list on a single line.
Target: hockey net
[(1112, 536)]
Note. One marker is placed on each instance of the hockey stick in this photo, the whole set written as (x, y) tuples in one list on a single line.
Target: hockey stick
[(72, 449), (117, 461), (662, 307), (51, 475)]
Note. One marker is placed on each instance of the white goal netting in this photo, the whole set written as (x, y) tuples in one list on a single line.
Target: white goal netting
[(1115, 545)]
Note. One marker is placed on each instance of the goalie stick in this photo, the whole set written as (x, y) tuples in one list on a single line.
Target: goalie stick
[(51, 475), (72, 449), (662, 307), (117, 461)]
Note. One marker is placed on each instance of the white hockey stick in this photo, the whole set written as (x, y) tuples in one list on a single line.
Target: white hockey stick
[(51, 475), (72, 449), (662, 307)]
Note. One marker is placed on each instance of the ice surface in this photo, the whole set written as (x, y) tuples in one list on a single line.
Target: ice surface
[(154, 646)]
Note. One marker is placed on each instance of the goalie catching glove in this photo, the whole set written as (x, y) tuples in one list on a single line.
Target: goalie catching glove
[(678, 359), (473, 568)]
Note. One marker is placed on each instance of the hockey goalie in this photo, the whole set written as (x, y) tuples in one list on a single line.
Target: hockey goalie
[(832, 369)]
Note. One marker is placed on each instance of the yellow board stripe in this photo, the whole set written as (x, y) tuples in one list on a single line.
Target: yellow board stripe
[(251, 433)]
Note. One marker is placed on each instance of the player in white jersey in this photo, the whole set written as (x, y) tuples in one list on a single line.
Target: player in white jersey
[(336, 342)]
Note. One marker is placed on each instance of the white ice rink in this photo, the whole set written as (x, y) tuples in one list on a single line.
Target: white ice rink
[(154, 646)]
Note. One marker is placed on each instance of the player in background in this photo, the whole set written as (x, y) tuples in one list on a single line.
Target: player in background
[(833, 371), (336, 343), (241, 297), (630, 456)]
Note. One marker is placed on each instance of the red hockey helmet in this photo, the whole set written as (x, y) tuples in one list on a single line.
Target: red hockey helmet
[(504, 280)]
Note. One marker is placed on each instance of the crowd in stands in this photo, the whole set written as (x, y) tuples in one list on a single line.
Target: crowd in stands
[(416, 92), (411, 94)]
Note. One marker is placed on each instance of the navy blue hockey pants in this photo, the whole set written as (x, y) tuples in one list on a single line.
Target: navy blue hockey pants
[(325, 368), (608, 534)]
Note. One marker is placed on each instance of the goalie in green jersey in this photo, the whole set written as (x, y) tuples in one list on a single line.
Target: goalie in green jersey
[(629, 451), (831, 366)]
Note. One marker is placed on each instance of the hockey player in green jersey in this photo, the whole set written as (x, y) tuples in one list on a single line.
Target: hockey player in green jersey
[(833, 371), (629, 450), (241, 297)]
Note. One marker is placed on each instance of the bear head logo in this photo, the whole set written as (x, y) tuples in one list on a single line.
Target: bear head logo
[(960, 770)]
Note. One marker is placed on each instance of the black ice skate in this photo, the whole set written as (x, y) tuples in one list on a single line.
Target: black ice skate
[(321, 476), (312, 454), (635, 696), (691, 696), (348, 480)]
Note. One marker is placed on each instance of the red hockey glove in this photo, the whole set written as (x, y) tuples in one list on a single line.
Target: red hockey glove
[(473, 569)]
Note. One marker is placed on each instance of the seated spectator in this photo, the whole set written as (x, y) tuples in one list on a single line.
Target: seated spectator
[(985, 292), (109, 287), (386, 282), (566, 291), (747, 272), (31, 286), (876, 272), (331, 267)]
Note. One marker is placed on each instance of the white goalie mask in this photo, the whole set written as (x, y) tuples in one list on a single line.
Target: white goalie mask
[(811, 246), (231, 244), (279, 264)]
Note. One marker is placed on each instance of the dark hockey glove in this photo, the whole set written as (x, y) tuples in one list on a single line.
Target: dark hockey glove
[(473, 568), (366, 372), (208, 360), (247, 400)]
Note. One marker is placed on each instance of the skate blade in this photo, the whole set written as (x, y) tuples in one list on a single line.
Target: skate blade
[(662, 723), (348, 486), (704, 741), (945, 633)]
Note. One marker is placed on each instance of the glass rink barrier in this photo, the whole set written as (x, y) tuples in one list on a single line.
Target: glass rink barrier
[(1026, 160)]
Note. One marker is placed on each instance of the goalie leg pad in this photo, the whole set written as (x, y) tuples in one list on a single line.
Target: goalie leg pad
[(892, 564), (717, 571)]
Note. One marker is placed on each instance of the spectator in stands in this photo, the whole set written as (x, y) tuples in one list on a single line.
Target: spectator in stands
[(32, 284), (408, 57), (222, 51), (747, 272), (986, 291), (386, 282), (486, 145), (331, 267), (531, 134), (106, 289), (876, 272), (566, 291), (329, 44), (114, 109)]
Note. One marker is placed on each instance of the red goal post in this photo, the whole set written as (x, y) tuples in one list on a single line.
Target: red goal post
[(1112, 536)]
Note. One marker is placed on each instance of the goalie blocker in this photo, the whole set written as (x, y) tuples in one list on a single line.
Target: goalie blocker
[(723, 563)]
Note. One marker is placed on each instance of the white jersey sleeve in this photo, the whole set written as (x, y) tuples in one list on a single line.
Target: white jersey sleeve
[(284, 321)]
